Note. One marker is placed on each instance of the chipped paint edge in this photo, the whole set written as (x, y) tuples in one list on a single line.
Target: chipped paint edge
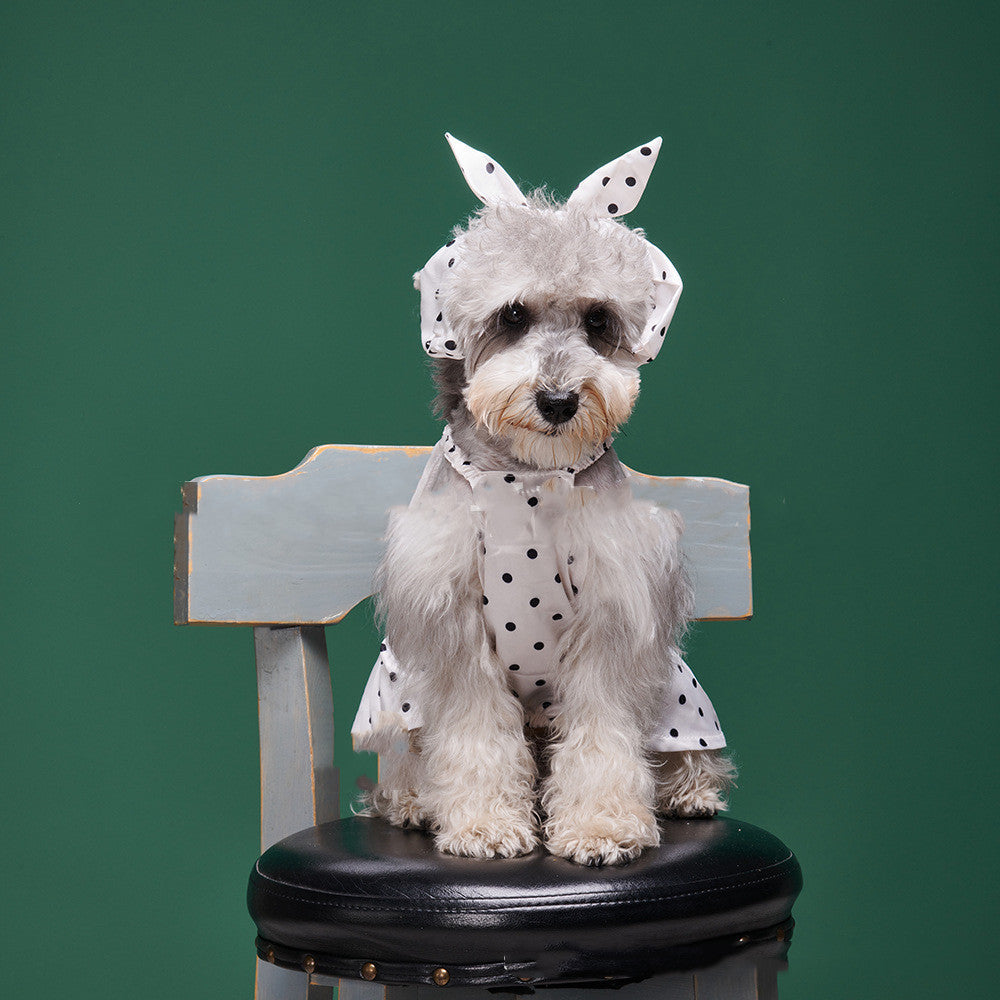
[(410, 450)]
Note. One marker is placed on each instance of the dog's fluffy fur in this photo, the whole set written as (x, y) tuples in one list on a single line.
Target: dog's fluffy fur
[(473, 774)]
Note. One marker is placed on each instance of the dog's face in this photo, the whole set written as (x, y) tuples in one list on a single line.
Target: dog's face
[(547, 302)]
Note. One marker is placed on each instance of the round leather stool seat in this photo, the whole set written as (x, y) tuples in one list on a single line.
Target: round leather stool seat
[(359, 898)]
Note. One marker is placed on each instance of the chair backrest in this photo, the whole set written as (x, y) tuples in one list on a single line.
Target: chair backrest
[(300, 548), (292, 553)]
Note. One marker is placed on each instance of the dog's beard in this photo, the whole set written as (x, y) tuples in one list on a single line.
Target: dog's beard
[(503, 402)]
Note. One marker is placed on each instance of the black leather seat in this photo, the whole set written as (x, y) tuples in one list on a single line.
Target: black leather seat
[(358, 898)]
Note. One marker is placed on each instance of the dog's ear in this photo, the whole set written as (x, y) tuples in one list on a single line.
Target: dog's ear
[(491, 184), (667, 288), (438, 338), (611, 192), (617, 187)]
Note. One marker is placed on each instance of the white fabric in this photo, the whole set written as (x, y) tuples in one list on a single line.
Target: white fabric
[(616, 188), (529, 578), (606, 194), (490, 183)]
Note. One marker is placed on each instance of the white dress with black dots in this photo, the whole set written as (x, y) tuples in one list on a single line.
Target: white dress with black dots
[(529, 579)]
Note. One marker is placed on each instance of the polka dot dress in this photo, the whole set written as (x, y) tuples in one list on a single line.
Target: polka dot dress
[(529, 575), (530, 578)]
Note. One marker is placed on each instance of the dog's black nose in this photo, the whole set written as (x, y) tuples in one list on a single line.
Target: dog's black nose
[(557, 407)]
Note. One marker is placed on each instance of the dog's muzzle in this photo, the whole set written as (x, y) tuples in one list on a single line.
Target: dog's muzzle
[(557, 407)]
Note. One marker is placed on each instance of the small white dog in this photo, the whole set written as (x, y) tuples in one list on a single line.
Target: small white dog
[(531, 685)]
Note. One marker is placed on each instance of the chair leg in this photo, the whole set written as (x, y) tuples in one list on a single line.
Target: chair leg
[(732, 980), (353, 989), (275, 983)]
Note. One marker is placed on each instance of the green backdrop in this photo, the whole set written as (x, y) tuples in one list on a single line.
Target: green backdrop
[(210, 217)]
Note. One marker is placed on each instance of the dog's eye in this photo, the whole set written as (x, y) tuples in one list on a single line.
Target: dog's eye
[(596, 320), (514, 316)]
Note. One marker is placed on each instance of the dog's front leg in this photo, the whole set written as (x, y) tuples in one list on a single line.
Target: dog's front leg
[(479, 770), (477, 773), (598, 798)]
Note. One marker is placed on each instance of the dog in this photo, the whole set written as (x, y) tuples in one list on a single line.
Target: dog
[(531, 687)]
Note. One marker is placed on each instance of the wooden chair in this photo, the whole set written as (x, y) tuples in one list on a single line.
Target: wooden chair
[(359, 904)]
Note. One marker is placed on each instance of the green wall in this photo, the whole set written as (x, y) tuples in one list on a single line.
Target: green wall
[(210, 216)]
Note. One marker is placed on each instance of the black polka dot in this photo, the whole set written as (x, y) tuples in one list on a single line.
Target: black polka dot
[(613, 209), (509, 478), (569, 560), (450, 345), (450, 243), (663, 332), (664, 275), (575, 590), (489, 168), (532, 553), (427, 345), (571, 470), (546, 704), (604, 183), (717, 727), (510, 626), (451, 262), (539, 645), (406, 706), (646, 151), (486, 600), (532, 501), (558, 578), (682, 699), (680, 666), (701, 712), (630, 181), (382, 647), (507, 578), (703, 743), (534, 602), (514, 666), (451, 449), (557, 618), (539, 683), (673, 732), (694, 682), (392, 676), (439, 317)]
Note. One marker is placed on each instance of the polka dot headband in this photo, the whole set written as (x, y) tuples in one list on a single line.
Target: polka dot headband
[(607, 193)]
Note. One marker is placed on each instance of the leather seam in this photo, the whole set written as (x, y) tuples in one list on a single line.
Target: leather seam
[(551, 901), (571, 898)]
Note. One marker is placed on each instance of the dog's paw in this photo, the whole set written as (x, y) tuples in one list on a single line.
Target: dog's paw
[(399, 807), (603, 840), (487, 838), (700, 803)]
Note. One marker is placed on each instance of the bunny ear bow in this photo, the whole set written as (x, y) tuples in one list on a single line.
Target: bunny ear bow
[(608, 193), (490, 183), (616, 188)]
